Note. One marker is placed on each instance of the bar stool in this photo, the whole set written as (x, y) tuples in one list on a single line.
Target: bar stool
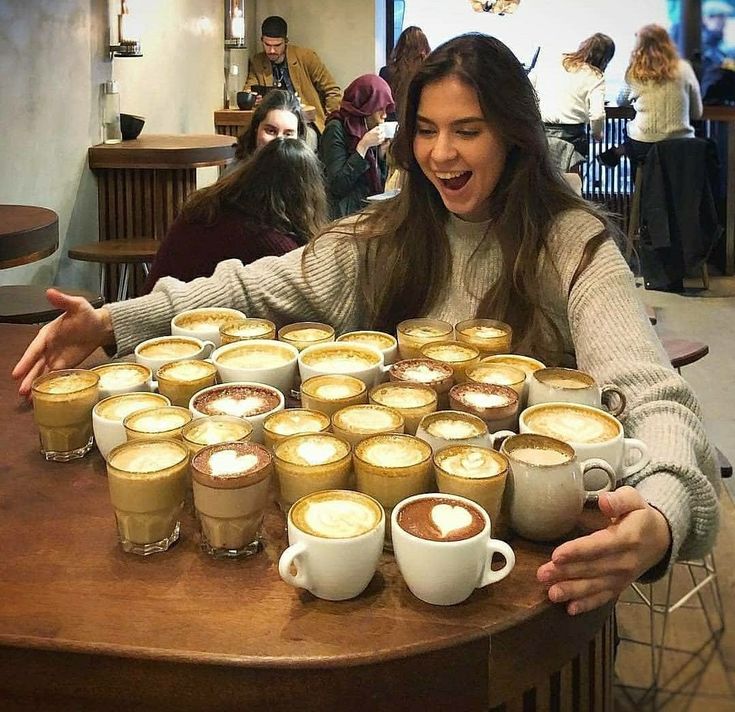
[(124, 253)]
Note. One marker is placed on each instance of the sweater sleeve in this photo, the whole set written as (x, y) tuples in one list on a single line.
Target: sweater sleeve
[(615, 342), (272, 287), (695, 96), (596, 107)]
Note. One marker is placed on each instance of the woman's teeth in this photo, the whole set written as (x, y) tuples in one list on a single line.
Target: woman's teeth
[(454, 180)]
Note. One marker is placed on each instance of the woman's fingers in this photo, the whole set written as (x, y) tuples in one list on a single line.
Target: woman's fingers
[(620, 502), (36, 370), (590, 547), (584, 588), (589, 603)]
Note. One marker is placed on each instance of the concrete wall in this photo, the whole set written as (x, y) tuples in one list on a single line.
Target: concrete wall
[(53, 60)]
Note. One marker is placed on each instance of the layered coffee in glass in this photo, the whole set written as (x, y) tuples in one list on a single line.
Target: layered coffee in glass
[(415, 333), (357, 422), (332, 392), (489, 336), (293, 421), (306, 333), (412, 400), (246, 329), (180, 380)]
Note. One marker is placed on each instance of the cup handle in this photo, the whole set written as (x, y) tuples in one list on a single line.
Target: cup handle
[(500, 435), (643, 460), (154, 386), (613, 399), (491, 576), (208, 347), (289, 558), (590, 496)]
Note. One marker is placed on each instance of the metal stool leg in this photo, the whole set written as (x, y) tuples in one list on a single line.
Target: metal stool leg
[(122, 286)]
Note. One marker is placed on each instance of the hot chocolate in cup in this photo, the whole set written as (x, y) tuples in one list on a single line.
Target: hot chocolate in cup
[(457, 355), (488, 335), (415, 333), (246, 329), (180, 380), (568, 385), (385, 343), (332, 392), (306, 333), (499, 374), (155, 352), (123, 377), (108, 416), (252, 401), (438, 375), (215, 429), (335, 540), (231, 482), (163, 421), (147, 482), (496, 405), (62, 408), (453, 427), (204, 323), (391, 467), (547, 489), (412, 400), (357, 360), (311, 462), (592, 433), (293, 421), (525, 363), (443, 547), (473, 472), (258, 360), (357, 422)]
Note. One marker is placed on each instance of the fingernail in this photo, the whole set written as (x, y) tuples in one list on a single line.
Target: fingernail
[(556, 595), (573, 609), (544, 575)]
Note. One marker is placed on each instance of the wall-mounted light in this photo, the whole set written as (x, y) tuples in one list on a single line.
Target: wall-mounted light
[(235, 24), (497, 7), (128, 34)]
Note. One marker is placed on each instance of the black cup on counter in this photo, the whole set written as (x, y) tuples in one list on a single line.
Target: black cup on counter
[(131, 126), (246, 100)]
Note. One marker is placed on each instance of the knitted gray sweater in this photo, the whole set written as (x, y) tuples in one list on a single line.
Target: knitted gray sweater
[(601, 319)]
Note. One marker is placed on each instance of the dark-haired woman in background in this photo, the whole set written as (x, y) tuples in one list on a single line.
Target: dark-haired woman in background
[(270, 205), (571, 92), (410, 51)]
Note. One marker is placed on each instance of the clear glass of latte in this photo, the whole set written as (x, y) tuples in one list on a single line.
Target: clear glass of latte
[(306, 333), (332, 392), (488, 335), (415, 333)]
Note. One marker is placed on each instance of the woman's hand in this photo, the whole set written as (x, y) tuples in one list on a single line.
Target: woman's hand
[(374, 137), (66, 341), (587, 572)]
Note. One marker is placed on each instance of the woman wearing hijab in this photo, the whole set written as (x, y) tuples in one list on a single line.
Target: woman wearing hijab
[(353, 145)]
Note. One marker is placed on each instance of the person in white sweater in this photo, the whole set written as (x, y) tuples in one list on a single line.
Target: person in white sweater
[(663, 90), (483, 226), (571, 91)]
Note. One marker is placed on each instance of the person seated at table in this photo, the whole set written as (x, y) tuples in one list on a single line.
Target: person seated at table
[(272, 204), (353, 146), (484, 226), (663, 90), (571, 92), (410, 51)]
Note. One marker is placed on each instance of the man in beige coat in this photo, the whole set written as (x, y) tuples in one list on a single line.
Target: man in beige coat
[(296, 69)]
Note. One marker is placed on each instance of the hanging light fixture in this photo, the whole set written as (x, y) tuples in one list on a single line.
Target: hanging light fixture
[(234, 24), (497, 7), (128, 34)]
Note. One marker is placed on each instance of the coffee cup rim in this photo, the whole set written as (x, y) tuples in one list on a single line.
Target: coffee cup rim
[(230, 418), (363, 388), (439, 495), (558, 445), (353, 406), (402, 436), (479, 321), (209, 310), (586, 377), (463, 446), (286, 411), (125, 364), (596, 412), (426, 320), (334, 436), (351, 494), (233, 384), (248, 343), (253, 476), (450, 342), (341, 338), (343, 345), (149, 442), (458, 415), (411, 385), (286, 329), (169, 337), (123, 396), (49, 375), (503, 358), (486, 364), (177, 364), (137, 413)]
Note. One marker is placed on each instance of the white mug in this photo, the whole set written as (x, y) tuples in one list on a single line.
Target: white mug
[(447, 572), (374, 338), (204, 330), (335, 568), (547, 385), (199, 350), (123, 377), (280, 375), (370, 375), (389, 129)]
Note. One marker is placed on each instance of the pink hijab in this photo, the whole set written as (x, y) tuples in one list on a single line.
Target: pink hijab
[(363, 97)]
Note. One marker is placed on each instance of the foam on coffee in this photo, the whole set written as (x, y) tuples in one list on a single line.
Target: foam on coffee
[(312, 449), (367, 418), (248, 328), (203, 320), (294, 421), (469, 461), (247, 355), (527, 365), (539, 456), (241, 401), (390, 451), (424, 331), (483, 332), (377, 339), (68, 382), (333, 387), (147, 456), (440, 519), (498, 373), (449, 352), (336, 514), (395, 396), (448, 427), (309, 333), (209, 431), (421, 371), (121, 375), (170, 348), (341, 360), (231, 464), (158, 420), (186, 370), (120, 407), (480, 399), (571, 423), (564, 378)]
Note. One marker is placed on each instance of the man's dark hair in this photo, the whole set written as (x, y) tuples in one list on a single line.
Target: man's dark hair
[(274, 26)]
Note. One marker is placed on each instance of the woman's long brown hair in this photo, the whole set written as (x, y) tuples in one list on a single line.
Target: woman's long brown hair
[(654, 57), (595, 52), (281, 187), (408, 54), (407, 257)]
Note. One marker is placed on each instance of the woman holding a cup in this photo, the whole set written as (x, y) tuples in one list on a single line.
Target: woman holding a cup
[(484, 227)]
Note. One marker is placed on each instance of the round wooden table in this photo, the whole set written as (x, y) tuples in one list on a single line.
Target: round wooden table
[(85, 626), (27, 233)]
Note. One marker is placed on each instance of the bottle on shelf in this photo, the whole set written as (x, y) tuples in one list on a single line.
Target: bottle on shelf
[(111, 113)]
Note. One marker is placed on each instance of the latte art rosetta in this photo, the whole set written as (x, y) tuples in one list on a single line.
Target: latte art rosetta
[(572, 425), (339, 518)]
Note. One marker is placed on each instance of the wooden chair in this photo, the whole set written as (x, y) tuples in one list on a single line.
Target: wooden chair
[(125, 254)]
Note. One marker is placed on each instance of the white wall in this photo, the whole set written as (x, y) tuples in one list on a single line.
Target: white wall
[(53, 59)]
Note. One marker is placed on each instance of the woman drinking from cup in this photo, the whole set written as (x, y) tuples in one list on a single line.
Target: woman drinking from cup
[(484, 227)]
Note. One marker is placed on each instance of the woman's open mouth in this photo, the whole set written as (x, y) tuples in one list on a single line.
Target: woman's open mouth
[(454, 180)]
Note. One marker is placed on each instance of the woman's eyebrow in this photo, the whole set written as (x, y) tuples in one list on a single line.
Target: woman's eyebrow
[(457, 122)]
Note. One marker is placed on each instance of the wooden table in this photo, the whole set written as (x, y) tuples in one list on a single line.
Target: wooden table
[(85, 626), (27, 234), (141, 184), (232, 122)]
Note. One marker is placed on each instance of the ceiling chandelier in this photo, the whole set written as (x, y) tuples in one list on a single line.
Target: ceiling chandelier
[(497, 7)]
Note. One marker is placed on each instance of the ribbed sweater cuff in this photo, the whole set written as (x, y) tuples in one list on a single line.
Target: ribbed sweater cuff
[(149, 315)]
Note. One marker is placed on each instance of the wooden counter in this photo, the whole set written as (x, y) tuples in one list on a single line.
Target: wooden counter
[(27, 234), (232, 122)]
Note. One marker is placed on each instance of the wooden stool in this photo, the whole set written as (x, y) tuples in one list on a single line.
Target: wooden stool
[(683, 352), (118, 252), (27, 303)]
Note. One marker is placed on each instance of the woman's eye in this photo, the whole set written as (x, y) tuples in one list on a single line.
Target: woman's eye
[(468, 133), (424, 131)]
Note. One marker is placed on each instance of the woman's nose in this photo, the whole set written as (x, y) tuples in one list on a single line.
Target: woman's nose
[(443, 148)]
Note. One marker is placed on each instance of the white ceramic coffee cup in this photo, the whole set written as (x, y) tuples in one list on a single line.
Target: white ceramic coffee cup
[(335, 569), (205, 331), (546, 498), (389, 129), (279, 375), (370, 375), (626, 455), (130, 378), (547, 386), (203, 350), (374, 338), (447, 572)]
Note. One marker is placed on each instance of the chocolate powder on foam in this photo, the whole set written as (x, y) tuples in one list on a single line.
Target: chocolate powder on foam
[(415, 518), (270, 399)]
